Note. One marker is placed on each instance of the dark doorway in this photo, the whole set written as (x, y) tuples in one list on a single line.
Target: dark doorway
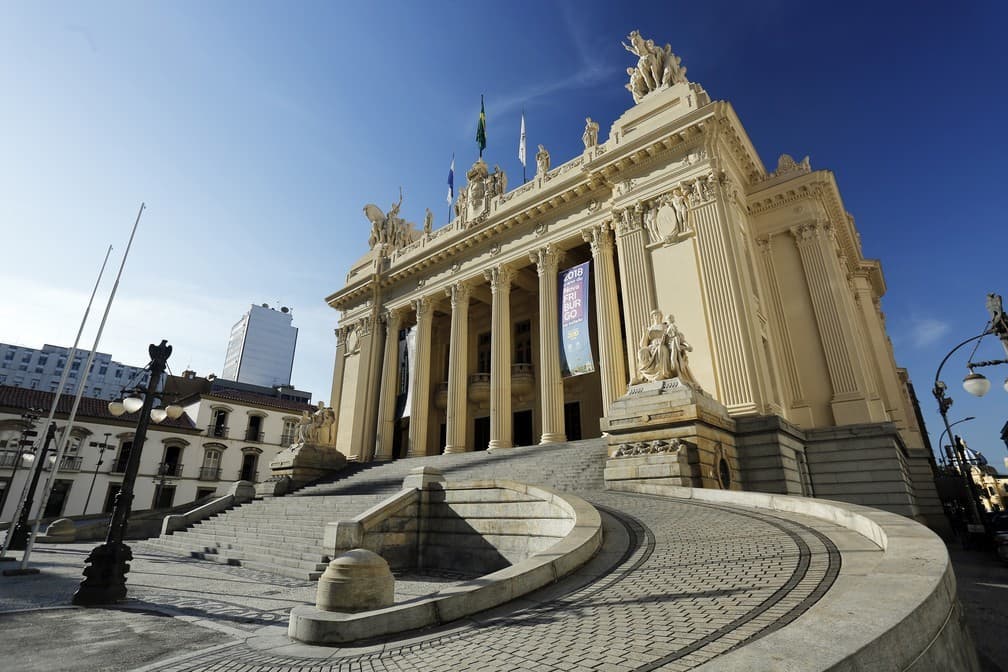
[(57, 499), (171, 460), (113, 490), (572, 420), (522, 428), (443, 436), (250, 464), (164, 495), (123, 458), (400, 438), (481, 433)]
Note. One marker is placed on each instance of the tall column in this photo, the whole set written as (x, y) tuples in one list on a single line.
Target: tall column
[(547, 260), (500, 357), (848, 403), (421, 380), (458, 367), (336, 393), (636, 276), (612, 362), (389, 378)]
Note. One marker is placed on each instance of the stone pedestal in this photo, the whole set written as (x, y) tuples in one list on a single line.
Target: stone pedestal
[(307, 462), (357, 580), (673, 432)]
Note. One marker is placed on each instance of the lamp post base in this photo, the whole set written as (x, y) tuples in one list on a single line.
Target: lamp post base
[(105, 579)]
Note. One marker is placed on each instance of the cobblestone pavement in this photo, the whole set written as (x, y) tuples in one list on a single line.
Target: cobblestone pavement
[(676, 584)]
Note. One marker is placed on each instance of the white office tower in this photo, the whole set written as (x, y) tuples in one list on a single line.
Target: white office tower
[(261, 350)]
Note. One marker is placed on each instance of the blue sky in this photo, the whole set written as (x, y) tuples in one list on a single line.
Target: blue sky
[(256, 132)]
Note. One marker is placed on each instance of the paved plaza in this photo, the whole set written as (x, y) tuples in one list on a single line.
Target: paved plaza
[(676, 584)]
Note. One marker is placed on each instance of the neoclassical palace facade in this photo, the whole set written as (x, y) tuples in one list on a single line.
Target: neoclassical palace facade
[(450, 339)]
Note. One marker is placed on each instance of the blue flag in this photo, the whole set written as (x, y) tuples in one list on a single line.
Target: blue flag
[(451, 181)]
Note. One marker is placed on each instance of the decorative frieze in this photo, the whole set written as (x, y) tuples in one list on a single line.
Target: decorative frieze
[(654, 447)]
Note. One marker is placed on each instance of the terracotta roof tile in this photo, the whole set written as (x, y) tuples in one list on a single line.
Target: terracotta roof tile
[(21, 399), (258, 399)]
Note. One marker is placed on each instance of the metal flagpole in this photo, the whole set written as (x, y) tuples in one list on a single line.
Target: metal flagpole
[(52, 410), (61, 447)]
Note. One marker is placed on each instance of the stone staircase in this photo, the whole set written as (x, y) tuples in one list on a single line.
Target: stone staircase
[(284, 535)]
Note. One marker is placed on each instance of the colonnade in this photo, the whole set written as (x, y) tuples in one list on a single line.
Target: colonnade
[(500, 279)]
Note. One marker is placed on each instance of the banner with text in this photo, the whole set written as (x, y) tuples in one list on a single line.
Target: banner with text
[(407, 368), (575, 340)]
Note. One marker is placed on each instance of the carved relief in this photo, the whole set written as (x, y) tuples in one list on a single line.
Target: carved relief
[(655, 447)]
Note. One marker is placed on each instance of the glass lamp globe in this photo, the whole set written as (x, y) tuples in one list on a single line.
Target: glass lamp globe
[(175, 412), (158, 414), (50, 461), (132, 404), (27, 459), (976, 384), (116, 408)]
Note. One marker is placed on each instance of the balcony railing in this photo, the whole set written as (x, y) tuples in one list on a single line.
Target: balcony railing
[(253, 436), (7, 460), (71, 463), (170, 470), (209, 473), (217, 431)]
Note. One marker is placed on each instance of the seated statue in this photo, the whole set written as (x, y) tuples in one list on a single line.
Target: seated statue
[(662, 354)]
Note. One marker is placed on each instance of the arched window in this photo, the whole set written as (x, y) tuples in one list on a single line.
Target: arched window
[(211, 467), (219, 422)]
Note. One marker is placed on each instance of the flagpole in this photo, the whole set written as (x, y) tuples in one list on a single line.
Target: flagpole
[(52, 410), (65, 437)]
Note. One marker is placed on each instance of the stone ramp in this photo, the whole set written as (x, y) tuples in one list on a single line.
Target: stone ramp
[(284, 535)]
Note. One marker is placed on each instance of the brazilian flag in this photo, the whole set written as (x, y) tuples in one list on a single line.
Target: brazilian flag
[(481, 128)]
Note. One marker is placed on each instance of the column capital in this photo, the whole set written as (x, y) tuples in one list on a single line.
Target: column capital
[(459, 292), (805, 233), (422, 307), (599, 239), (499, 278), (392, 317), (546, 259)]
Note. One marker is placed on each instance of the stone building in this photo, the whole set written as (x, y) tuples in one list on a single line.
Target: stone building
[(225, 435), (456, 339)]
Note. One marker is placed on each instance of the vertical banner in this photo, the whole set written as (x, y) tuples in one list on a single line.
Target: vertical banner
[(407, 359), (575, 341)]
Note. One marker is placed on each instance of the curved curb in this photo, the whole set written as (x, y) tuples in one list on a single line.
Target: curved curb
[(311, 625), (891, 611)]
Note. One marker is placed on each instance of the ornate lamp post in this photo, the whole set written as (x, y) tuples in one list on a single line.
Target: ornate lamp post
[(19, 535), (977, 385), (28, 420), (105, 579), (102, 447)]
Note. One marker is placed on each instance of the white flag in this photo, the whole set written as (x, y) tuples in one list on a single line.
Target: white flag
[(521, 142)]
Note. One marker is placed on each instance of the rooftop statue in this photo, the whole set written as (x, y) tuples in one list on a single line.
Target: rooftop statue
[(657, 67), (390, 231)]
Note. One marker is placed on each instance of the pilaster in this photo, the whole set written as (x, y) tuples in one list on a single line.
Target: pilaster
[(848, 403), (336, 393), (420, 392), (636, 275), (500, 357), (612, 361), (547, 261), (363, 441), (458, 367)]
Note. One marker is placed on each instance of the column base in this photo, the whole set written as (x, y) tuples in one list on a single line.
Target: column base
[(451, 450), (497, 444), (553, 437)]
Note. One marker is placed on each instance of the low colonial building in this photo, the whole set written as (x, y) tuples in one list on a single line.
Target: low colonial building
[(224, 435), (524, 319)]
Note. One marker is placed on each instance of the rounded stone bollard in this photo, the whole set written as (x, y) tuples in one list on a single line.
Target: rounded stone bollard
[(357, 580), (62, 529)]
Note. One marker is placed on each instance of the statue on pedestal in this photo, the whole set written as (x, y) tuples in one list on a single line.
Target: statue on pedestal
[(657, 67), (663, 352), (542, 161), (590, 136)]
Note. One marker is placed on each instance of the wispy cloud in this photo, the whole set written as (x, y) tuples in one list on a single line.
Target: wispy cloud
[(925, 331)]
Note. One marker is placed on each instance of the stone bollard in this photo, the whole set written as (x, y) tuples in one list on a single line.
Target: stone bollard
[(357, 580), (62, 530)]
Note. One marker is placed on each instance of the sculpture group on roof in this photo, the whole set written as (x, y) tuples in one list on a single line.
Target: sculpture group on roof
[(657, 67), (390, 231)]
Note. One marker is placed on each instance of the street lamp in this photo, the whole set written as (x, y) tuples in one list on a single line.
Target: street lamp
[(19, 535), (28, 420), (977, 385), (102, 447), (105, 579), (941, 438)]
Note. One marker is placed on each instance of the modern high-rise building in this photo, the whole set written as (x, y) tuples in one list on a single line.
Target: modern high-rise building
[(36, 369), (261, 349)]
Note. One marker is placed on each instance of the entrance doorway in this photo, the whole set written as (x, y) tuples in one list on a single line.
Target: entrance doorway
[(522, 428), (250, 464), (481, 433), (57, 499), (164, 496), (400, 438), (572, 420)]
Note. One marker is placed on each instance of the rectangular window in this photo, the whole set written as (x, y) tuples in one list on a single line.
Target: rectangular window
[(43, 359), (523, 342), (22, 367), (483, 353), (97, 392), (9, 356), (62, 363), (34, 383), (118, 373), (75, 366), (39, 369), (102, 371), (3, 379), (26, 357)]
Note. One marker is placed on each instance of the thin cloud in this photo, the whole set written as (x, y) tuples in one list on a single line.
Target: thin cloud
[(925, 331)]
